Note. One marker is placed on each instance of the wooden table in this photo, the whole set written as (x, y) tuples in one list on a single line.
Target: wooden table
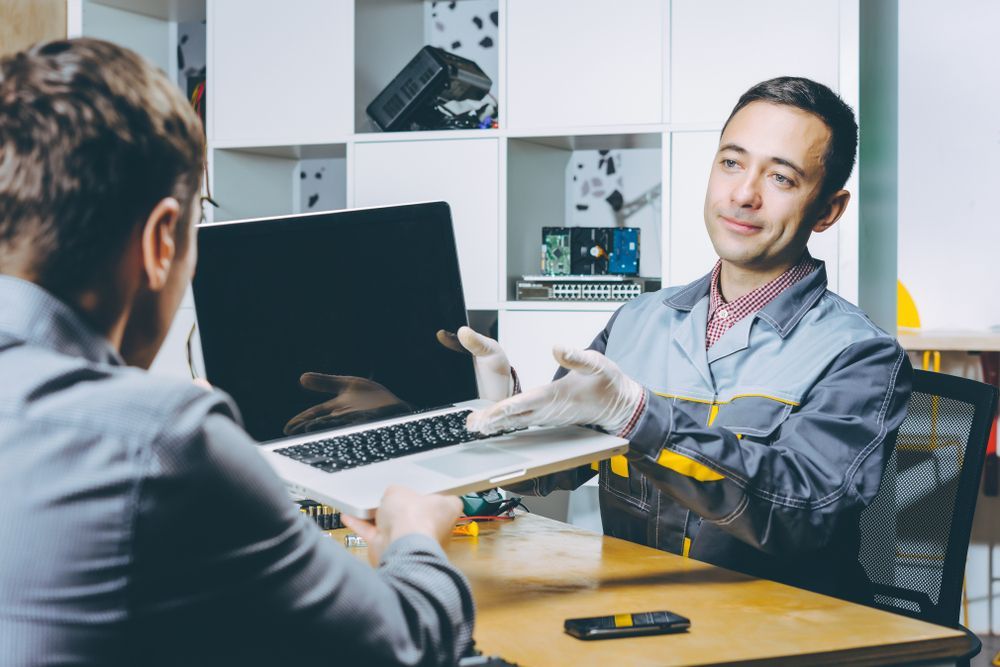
[(949, 340), (530, 574)]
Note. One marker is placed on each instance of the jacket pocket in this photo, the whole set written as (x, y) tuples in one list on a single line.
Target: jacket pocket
[(757, 417), (624, 482)]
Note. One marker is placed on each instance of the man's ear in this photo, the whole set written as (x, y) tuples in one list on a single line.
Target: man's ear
[(159, 244), (831, 210)]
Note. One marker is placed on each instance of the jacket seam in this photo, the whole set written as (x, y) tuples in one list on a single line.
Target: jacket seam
[(736, 513)]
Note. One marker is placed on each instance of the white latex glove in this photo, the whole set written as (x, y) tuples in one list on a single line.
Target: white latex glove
[(492, 366), (595, 391)]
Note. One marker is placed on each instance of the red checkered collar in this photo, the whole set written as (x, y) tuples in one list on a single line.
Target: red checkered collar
[(722, 315)]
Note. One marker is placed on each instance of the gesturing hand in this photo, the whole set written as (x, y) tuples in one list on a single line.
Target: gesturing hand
[(595, 391), (492, 367)]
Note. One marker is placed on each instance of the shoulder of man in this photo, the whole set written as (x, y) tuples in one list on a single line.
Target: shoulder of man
[(165, 410), (119, 402), (837, 314)]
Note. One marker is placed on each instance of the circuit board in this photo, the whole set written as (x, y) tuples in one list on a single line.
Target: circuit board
[(555, 251)]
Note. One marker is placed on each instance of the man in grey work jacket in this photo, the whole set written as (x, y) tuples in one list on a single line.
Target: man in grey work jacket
[(760, 407), (139, 524)]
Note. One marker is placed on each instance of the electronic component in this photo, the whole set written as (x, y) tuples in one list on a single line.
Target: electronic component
[(584, 288), (352, 541), (624, 251), (590, 250), (626, 625), (412, 100), (555, 251), (326, 517)]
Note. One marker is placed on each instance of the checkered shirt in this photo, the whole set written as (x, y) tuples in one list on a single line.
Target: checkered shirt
[(722, 314)]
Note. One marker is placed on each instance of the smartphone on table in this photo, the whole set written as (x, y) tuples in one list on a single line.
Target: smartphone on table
[(626, 625)]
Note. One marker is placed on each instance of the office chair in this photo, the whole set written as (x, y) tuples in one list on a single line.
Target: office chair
[(915, 534)]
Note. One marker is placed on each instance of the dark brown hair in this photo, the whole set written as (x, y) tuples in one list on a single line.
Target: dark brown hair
[(817, 99), (92, 136)]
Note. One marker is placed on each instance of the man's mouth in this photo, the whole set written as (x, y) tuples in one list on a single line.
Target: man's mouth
[(739, 226)]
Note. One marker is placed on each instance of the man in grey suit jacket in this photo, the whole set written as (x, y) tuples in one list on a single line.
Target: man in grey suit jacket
[(139, 524)]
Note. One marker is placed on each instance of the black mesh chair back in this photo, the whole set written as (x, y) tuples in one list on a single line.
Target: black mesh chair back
[(915, 535)]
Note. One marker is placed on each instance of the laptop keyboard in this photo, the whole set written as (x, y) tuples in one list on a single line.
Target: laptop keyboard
[(381, 444)]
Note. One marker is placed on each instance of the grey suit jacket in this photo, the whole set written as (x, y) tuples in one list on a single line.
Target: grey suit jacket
[(140, 526)]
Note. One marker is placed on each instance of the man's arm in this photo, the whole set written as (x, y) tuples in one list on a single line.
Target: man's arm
[(219, 545), (784, 495)]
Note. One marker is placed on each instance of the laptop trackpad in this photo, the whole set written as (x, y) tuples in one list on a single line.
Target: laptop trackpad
[(472, 461)]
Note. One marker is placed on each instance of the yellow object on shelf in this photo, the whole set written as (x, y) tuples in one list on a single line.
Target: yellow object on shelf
[(906, 308)]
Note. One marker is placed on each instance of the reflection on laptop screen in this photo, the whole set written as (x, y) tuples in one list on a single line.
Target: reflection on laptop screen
[(353, 298)]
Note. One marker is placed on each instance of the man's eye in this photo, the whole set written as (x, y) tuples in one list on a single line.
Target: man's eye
[(728, 164)]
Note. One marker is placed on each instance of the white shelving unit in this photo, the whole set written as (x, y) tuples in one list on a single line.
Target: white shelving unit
[(288, 82)]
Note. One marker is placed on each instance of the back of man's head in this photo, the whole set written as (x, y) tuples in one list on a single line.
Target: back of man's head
[(92, 136), (819, 100)]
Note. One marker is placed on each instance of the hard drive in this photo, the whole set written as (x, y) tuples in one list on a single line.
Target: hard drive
[(591, 250)]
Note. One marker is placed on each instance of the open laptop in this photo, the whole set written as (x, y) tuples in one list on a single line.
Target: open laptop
[(325, 329)]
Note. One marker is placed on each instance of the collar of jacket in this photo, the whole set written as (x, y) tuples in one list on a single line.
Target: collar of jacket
[(782, 313), (31, 314)]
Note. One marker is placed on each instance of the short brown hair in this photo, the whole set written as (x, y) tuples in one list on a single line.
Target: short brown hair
[(91, 137), (819, 100)]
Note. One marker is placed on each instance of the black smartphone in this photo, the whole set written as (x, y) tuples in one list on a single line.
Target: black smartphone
[(626, 625)]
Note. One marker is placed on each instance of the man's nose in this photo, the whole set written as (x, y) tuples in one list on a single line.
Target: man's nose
[(746, 193)]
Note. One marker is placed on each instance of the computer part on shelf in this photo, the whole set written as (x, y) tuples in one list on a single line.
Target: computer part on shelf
[(413, 99), (590, 251), (624, 258), (584, 288), (555, 251)]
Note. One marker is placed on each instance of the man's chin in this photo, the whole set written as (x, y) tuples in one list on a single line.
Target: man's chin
[(736, 253)]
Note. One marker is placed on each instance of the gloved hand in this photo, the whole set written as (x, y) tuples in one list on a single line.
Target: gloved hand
[(492, 367), (354, 400), (595, 391)]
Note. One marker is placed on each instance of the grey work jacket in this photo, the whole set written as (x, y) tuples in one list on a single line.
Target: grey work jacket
[(760, 453)]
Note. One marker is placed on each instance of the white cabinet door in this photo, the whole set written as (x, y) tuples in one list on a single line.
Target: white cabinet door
[(462, 172), (527, 336), (280, 72), (584, 62), (690, 251), (719, 48)]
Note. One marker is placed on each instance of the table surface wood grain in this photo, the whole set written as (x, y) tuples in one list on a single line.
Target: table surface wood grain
[(530, 574)]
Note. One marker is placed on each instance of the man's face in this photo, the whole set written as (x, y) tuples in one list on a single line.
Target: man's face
[(768, 171)]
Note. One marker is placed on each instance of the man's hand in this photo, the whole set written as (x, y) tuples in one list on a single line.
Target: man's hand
[(405, 512), (354, 400), (595, 391), (492, 367)]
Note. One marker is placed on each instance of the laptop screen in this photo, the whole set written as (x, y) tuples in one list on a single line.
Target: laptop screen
[(326, 320)]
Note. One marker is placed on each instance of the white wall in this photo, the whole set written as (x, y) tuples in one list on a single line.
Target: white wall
[(148, 36), (949, 135)]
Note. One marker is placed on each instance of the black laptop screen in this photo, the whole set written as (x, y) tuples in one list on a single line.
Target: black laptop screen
[(352, 300)]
